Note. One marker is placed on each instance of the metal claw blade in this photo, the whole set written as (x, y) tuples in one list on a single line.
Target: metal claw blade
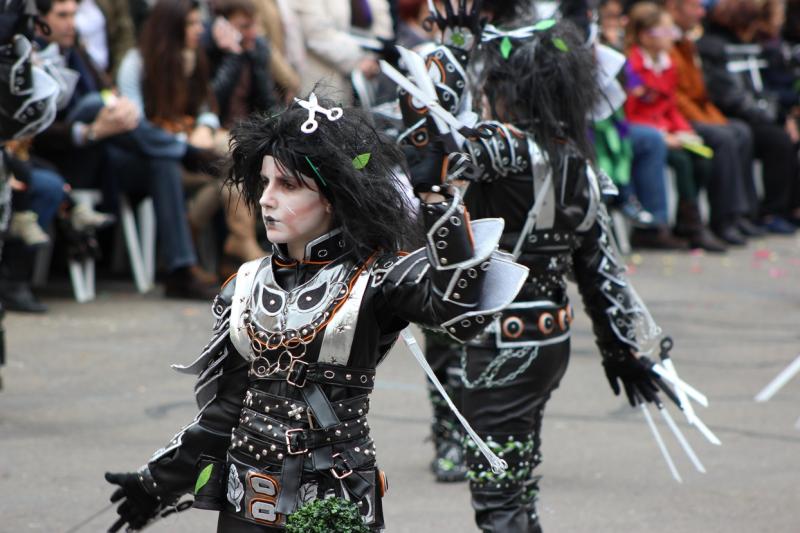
[(682, 440), (660, 442), (678, 383), (779, 381)]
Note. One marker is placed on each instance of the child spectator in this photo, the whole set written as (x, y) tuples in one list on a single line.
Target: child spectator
[(652, 83)]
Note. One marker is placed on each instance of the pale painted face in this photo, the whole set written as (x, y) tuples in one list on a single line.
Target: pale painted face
[(293, 214)]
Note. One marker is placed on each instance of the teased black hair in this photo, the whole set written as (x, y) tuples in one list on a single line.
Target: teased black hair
[(545, 85), (507, 12), (369, 203)]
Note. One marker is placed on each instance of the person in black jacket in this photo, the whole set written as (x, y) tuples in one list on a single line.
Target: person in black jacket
[(734, 91), (239, 59)]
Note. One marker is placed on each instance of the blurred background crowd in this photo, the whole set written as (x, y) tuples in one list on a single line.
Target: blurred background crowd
[(704, 151)]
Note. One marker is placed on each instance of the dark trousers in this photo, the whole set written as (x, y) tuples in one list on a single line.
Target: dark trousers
[(779, 160), (509, 417), (691, 172), (145, 161), (731, 192)]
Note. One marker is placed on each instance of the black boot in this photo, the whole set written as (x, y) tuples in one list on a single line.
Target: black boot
[(15, 273), (505, 503), (689, 224)]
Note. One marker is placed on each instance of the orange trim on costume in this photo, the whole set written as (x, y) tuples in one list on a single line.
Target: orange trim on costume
[(229, 280)]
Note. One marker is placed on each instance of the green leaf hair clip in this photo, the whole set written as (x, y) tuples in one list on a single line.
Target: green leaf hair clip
[(360, 161)]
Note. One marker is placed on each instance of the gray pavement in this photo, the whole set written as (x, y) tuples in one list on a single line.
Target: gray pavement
[(88, 389)]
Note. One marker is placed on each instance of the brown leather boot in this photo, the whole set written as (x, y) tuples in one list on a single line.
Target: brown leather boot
[(689, 224), (660, 238)]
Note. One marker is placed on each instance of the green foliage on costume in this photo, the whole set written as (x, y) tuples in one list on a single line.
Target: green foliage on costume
[(505, 47), (331, 515), (203, 478)]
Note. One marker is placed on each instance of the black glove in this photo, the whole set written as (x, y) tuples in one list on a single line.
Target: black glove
[(636, 377), (426, 166), (138, 507)]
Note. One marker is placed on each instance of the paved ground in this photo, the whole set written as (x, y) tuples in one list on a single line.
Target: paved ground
[(88, 389)]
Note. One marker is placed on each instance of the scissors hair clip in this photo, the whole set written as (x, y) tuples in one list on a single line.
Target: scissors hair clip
[(313, 107)]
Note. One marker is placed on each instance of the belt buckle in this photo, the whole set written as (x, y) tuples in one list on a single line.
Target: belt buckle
[(300, 380), (289, 450), (333, 470)]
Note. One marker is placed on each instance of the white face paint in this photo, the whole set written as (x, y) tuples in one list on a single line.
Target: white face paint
[(293, 214)]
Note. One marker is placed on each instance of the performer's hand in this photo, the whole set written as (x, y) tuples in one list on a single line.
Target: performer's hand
[(636, 378), (137, 507), (426, 166)]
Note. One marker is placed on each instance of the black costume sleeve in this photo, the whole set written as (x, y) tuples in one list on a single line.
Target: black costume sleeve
[(620, 320), (220, 390), (457, 282)]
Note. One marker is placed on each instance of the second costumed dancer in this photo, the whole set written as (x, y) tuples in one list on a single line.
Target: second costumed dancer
[(531, 165)]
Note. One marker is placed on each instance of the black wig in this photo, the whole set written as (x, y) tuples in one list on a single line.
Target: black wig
[(354, 167), (545, 85)]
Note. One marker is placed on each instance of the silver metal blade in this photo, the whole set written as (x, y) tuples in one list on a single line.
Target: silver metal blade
[(779, 381), (682, 440), (660, 442), (678, 383)]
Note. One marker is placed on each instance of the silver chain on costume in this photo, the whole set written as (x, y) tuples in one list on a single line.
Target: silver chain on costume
[(487, 379), (294, 341)]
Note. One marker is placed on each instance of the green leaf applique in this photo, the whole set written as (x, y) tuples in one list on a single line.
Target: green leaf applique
[(457, 38), (505, 47), (361, 160), (543, 25), (559, 43), (203, 478)]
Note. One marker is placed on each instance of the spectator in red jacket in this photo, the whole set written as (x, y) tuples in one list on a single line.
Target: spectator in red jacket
[(652, 83)]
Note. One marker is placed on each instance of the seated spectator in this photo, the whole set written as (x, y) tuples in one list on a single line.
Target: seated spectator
[(738, 22), (731, 140), (634, 156), (100, 141), (652, 82), (332, 52), (167, 78), (239, 62), (105, 28), (39, 194)]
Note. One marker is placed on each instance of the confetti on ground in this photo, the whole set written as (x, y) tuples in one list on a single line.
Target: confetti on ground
[(636, 259), (761, 254), (696, 269), (696, 252), (726, 262), (776, 272)]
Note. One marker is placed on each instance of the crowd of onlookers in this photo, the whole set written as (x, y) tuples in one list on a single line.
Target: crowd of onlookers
[(156, 86), (711, 89)]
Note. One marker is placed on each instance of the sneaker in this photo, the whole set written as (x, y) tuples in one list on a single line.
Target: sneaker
[(638, 215), (25, 226), (83, 217), (779, 225)]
